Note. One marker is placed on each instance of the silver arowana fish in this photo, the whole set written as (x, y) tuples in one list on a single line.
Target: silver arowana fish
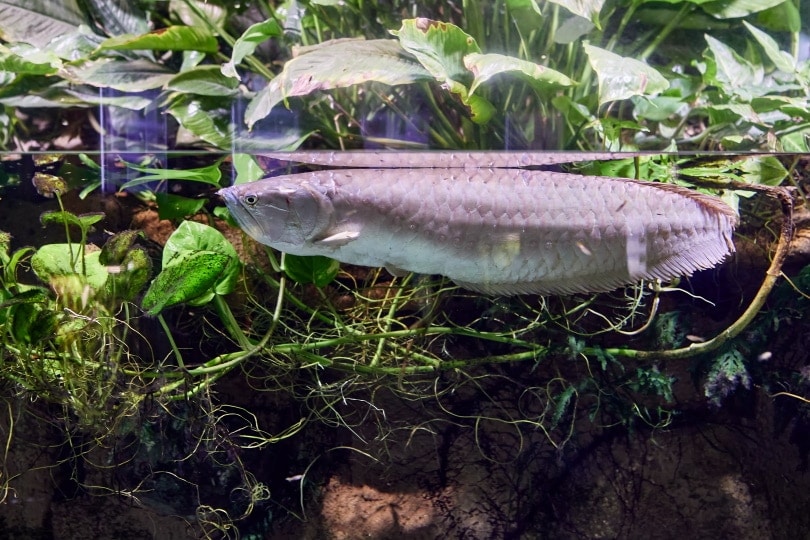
[(496, 231)]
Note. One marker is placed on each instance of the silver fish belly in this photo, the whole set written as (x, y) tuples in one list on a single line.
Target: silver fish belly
[(505, 231)]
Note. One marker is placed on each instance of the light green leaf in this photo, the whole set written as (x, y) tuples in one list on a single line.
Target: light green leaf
[(28, 60), (763, 170), (730, 9), (336, 64), (203, 81), (38, 21), (52, 260), (441, 48), (75, 45), (588, 9), (173, 38), (486, 66), (734, 74), (127, 76), (620, 77), (247, 43), (782, 60), (247, 168), (212, 126)]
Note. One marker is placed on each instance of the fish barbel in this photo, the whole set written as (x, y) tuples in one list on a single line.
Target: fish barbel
[(495, 231)]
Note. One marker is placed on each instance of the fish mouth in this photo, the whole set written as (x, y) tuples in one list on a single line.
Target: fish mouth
[(243, 217)]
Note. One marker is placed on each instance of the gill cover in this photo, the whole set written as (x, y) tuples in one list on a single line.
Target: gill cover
[(289, 213)]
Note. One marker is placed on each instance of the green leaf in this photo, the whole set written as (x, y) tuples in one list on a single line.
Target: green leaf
[(796, 141), (782, 60), (588, 9), (247, 43), (176, 206), (210, 174), (731, 9), (441, 48), (191, 237), (82, 221), (763, 170), (125, 75), (173, 38), (336, 64), (204, 81), (52, 260), (316, 269), (212, 126), (75, 45), (486, 66), (190, 279), (621, 78), (734, 74), (247, 168), (38, 21), (28, 60), (118, 16)]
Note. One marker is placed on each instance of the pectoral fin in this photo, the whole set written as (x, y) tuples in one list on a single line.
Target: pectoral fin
[(338, 239)]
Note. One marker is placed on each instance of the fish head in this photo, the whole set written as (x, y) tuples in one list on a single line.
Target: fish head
[(279, 213)]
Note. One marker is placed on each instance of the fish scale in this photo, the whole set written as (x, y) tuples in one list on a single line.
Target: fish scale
[(496, 231)]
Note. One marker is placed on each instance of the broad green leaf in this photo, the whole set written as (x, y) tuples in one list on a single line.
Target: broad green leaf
[(621, 78), (212, 13), (204, 81), (588, 9), (763, 170), (317, 269), (247, 43), (75, 45), (53, 260), (191, 237), (659, 108), (176, 206), (730, 9), (247, 168), (28, 60), (784, 17), (189, 281), (173, 38), (572, 29), (212, 126), (796, 141), (127, 76), (734, 74), (486, 66), (782, 60), (38, 21), (441, 48), (337, 64)]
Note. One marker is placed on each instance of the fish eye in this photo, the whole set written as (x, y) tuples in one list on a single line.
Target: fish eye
[(250, 199)]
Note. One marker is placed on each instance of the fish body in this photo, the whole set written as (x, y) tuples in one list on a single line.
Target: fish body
[(495, 231)]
